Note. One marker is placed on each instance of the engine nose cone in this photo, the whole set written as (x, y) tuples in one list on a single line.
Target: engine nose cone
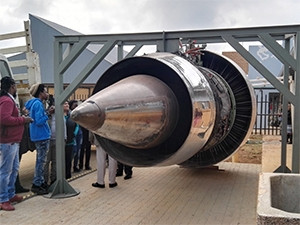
[(89, 115), (139, 112)]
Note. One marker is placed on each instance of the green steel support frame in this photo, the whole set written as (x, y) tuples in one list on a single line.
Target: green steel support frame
[(168, 42)]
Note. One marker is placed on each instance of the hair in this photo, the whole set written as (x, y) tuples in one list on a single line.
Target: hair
[(6, 83), (71, 103), (51, 101), (40, 89)]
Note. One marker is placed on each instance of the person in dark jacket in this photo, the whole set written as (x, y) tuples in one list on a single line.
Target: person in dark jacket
[(78, 139), (85, 150), (11, 127), (289, 126), (71, 133)]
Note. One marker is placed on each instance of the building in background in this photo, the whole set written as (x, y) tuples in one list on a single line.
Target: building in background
[(42, 35)]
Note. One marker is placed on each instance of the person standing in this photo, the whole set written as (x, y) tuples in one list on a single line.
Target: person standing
[(101, 166), (25, 145), (85, 150), (51, 157), (40, 134), (12, 128), (78, 139), (70, 141), (289, 125), (127, 169)]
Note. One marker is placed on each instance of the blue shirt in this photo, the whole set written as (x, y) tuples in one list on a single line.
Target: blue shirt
[(39, 128)]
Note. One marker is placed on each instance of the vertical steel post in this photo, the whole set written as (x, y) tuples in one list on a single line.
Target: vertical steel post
[(296, 123), (61, 188), (283, 168), (120, 51)]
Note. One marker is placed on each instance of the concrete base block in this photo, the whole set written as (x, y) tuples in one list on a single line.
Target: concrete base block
[(278, 199)]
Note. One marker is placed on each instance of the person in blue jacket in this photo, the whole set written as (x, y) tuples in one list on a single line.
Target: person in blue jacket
[(40, 134)]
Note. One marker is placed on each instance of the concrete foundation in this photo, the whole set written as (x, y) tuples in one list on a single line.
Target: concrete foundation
[(278, 199)]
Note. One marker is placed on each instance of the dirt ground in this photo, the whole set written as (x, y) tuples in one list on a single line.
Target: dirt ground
[(251, 152)]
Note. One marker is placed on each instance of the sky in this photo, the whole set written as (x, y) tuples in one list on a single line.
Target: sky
[(130, 16)]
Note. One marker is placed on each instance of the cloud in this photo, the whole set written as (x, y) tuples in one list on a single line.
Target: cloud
[(102, 16), (32, 6), (131, 16), (154, 15), (257, 13)]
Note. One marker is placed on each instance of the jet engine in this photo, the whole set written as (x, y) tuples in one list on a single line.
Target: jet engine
[(162, 109)]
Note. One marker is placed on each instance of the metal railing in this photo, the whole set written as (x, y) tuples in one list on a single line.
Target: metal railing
[(269, 107)]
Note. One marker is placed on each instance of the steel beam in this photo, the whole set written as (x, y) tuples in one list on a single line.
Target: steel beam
[(167, 41), (260, 68)]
